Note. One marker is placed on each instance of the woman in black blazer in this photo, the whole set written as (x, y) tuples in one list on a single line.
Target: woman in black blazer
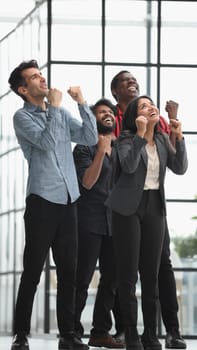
[(138, 213)]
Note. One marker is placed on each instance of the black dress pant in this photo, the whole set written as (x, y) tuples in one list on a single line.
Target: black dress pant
[(138, 241), (167, 287), (48, 225), (93, 247), (167, 292)]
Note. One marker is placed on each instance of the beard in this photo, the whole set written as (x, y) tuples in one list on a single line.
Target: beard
[(105, 130)]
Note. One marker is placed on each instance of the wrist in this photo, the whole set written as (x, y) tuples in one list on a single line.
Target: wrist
[(140, 134), (180, 137), (81, 101)]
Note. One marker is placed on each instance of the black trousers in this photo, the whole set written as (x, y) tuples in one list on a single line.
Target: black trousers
[(48, 225), (167, 292), (93, 247), (167, 287), (138, 241)]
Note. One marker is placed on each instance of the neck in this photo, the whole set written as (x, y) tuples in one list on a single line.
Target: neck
[(38, 102), (149, 136), (111, 135), (123, 105)]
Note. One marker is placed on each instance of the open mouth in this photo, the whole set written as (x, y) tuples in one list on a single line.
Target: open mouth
[(132, 88), (108, 120)]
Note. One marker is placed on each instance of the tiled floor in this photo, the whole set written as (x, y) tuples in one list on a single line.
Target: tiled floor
[(51, 343)]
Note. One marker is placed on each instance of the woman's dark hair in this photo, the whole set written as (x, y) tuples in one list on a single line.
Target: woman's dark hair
[(130, 114)]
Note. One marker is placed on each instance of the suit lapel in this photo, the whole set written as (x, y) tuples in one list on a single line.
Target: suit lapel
[(144, 156)]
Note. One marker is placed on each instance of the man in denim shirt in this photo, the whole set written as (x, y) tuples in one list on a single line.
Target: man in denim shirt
[(45, 131)]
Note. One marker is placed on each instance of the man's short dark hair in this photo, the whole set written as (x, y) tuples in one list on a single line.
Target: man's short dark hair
[(115, 80), (16, 80), (105, 102)]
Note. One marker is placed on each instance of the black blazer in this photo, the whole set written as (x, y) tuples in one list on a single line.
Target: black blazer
[(127, 192)]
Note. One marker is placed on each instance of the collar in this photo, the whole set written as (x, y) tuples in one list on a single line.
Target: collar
[(34, 108)]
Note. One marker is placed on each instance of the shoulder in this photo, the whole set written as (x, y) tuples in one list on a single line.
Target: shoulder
[(82, 149), (21, 115)]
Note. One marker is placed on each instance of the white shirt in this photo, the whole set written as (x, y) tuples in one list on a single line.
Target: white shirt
[(152, 175)]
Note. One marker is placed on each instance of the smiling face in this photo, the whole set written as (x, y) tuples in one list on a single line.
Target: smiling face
[(127, 87), (35, 88), (105, 119), (148, 109)]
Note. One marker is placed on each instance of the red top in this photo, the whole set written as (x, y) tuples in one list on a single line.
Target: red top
[(119, 116)]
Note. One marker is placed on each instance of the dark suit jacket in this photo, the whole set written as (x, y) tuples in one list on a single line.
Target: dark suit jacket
[(127, 192)]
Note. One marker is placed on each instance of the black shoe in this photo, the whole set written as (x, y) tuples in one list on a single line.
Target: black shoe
[(20, 342), (150, 341), (174, 340), (119, 337), (132, 339), (71, 342)]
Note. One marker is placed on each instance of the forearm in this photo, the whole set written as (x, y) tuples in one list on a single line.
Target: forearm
[(84, 133), (173, 139), (92, 173)]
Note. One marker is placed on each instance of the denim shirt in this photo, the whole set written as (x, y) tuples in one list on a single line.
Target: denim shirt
[(46, 140)]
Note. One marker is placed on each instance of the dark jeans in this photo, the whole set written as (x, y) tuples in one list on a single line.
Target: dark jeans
[(93, 247), (48, 225), (167, 292), (138, 241)]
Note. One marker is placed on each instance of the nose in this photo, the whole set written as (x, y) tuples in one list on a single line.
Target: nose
[(42, 78)]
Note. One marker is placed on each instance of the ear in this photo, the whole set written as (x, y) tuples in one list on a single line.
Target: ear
[(114, 94), (22, 90)]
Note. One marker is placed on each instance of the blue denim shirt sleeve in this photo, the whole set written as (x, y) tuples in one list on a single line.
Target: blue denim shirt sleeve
[(87, 133)]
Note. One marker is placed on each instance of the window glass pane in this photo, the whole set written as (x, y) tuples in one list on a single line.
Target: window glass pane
[(27, 41), (3, 239), (3, 65), (4, 184), (179, 217), (37, 320), (53, 294), (179, 32), (76, 30), (179, 84), (11, 14), (189, 300), (128, 28), (19, 239), (6, 303), (182, 186), (87, 77)]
